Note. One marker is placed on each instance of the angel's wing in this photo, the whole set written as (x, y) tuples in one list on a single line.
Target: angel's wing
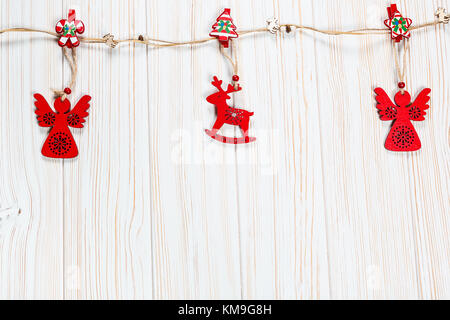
[(417, 109), (76, 117), (386, 109), (45, 114)]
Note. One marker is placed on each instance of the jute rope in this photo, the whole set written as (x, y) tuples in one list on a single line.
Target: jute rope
[(159, 43), (401, 70), (234, 63), (229, 58), (73, 62)]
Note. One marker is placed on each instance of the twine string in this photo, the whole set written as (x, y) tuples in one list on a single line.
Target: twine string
[(234, 52), (229, 58), (234, 63), (159, 43), (73, 62), (401, 70)]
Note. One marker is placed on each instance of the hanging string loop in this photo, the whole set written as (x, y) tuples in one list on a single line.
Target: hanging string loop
[(73, 63)]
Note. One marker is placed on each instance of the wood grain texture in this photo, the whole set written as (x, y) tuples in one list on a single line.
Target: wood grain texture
[(152, 208)]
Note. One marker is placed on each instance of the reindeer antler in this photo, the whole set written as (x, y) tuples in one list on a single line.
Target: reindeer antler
[(231, 88), (217, 83)]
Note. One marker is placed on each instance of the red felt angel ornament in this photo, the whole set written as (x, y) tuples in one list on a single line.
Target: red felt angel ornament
[(403, 136), (60, 142)]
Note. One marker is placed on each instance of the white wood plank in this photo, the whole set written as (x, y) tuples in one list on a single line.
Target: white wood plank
[(372, 235), (31, 248), (195, 226), (429, 168), (107, 231), (280, 176)]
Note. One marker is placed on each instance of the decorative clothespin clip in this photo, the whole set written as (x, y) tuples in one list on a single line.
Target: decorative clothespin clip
[(224, 29), (442, 15), (69, 28), (272, 25), (399, 26), (109, 40)]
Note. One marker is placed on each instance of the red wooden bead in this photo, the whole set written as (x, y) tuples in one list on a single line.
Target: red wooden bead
[(67, 91), (401, 85), (235, 78)]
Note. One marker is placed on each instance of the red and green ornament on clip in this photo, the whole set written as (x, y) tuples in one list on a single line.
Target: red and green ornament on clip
[(402, 136), (224, 31), (60, 143), (68, 29)]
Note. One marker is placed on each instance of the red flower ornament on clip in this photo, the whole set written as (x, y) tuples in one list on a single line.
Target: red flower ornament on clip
[(403, 136), (224, 29), (60, 143), (69, 29), (399, 26)]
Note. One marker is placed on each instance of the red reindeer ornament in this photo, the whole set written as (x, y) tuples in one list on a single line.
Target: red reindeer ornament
[(403, 136), (60, 142), (228, 115)]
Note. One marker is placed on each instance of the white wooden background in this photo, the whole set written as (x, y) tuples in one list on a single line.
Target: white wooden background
[(153, 208)]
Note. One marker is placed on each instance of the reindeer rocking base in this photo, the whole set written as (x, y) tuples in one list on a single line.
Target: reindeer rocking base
[(228, 115), (229, 140)]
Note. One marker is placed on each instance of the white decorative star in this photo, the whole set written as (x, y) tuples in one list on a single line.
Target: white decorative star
[(442, 15), (272, 25)]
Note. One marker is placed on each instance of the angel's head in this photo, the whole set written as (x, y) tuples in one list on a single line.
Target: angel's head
[(62, 106), (402, 99)]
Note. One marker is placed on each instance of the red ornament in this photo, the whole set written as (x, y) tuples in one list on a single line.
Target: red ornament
[(69, 28), (67, 91), (399, 26), (228, 115), (60, 142), (224, 29), (401, 85), (235, 78), (403, 136)]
